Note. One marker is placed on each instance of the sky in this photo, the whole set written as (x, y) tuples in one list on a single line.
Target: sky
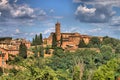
[(26, 18)]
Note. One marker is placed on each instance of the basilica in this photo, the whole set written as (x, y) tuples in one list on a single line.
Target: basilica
[(68, 39)]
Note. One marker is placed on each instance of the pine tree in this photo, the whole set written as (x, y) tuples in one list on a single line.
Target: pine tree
[(54, 41)]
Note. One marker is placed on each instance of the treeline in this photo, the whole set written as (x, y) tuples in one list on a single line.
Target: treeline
[(80, 65), (64, 65), (38, 40), (95, 42)]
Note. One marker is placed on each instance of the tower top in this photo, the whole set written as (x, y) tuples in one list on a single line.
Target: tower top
[(58, 22)]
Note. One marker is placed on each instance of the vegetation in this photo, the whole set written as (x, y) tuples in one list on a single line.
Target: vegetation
[(85, 64), (54, 41), (81, 44), (23, 50), (37, 40)]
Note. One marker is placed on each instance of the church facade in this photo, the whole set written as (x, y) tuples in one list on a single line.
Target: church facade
[(68, 39)]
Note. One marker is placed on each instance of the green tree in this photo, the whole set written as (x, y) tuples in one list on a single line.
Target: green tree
[(23, 50), (47, 50), (41, 51), (95, 42), (105, 49), (107, 72), (54, 41), (117, 49), (61, 40), (35, 51), (36, 39), (41, 40), (33, 42), (81, 44)]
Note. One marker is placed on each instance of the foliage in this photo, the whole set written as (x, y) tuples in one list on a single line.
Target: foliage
[(54, 41), (105, 49), (61, 40), (107, 72), (1, 71), (110, 41), (38, 40), (94, 42), (81, 44), (84, 64), (23, 50), (117, 49), (38, 51), (47, 50)]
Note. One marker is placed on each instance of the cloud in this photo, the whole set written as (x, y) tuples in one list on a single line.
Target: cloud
[(15, 1), (48, 31), (101, 2), (0, 13), (97, 14), (52, 11), (17, 31), (23, 11), (13, 11), (96, 30), (115, 21), (58, 17), (85, 10), (42, 13)]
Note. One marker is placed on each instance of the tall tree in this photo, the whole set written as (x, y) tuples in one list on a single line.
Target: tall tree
[(23, 50), (36, 39), (41, 40), (61, 40), (33, 42), (54, 41)]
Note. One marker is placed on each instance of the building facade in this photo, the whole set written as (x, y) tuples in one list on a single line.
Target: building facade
[(10, 47), (68, 39)]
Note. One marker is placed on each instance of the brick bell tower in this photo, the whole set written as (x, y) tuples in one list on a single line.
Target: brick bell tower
[(58, 33)]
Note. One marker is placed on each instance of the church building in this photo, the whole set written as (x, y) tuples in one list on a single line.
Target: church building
[(70, 40)]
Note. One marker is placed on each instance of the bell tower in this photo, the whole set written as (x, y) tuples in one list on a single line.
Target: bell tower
[(57, 31)]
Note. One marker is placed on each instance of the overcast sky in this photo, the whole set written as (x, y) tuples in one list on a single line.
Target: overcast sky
[(25, 18)]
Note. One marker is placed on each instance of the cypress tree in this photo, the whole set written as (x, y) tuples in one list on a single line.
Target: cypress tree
[(23, 50), (41, 41), (33, 42), (61, 40), (36, 39), (81, 44), (54, 41)]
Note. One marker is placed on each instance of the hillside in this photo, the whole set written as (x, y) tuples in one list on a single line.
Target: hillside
[(83, 64)]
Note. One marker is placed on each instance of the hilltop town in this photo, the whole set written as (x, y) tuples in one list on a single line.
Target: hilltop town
[(61, 56), (67, 41), (9, 46)]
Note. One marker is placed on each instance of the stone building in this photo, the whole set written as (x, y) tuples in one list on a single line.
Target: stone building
[(70, 40), (10, 46)]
